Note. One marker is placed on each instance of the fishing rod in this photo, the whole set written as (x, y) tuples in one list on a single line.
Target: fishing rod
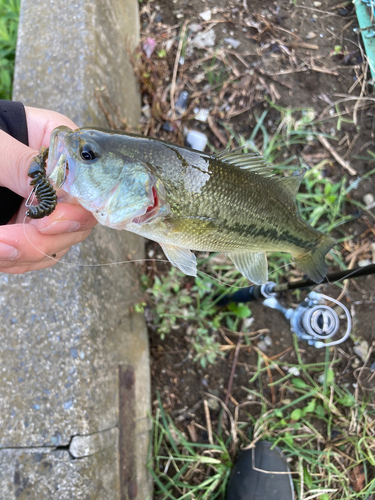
[(312, 320)]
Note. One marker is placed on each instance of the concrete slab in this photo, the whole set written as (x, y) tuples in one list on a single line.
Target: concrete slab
[(66, 332), (41, 473)]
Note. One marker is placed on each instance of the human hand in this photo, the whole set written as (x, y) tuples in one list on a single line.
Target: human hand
[(54, 235)]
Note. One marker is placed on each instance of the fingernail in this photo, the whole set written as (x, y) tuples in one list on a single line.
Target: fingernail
[(7, 252), (60, 226)]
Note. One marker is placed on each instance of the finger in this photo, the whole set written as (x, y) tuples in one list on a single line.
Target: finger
[(35, 266), (64, 219), (32, 246), (41, 122), (15, 160)]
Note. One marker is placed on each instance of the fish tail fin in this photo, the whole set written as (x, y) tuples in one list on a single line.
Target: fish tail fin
[(313, 263)]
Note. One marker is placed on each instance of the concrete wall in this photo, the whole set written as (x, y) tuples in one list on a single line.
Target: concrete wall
[(74, 367)]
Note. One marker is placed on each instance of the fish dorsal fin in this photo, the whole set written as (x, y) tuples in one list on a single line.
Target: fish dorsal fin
[(292, 184), (253, 265), (246, 161)]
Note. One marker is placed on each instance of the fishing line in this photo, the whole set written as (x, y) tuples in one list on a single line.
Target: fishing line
[(83, 265), (59, 261)]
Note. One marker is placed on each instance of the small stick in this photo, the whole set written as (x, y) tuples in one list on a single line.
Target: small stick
[(175, 69), (323, 141), (216, 131), (280, 354), (208, 421), (235, 359), (266, 362)]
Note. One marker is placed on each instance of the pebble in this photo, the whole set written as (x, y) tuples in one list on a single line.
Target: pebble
[(364, 262), (361, 350), (263, 344), (146, 110), (317, 4), (247, 322), (195, 27), (294, 371), (204, 39), (368, 199), (356, 363), (213, 404), (202, 115), (196, 140), (206, 15), (233, 42)]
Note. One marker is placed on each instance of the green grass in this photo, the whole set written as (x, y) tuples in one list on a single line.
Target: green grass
[(186, 470), (173, 304), (9, 13), (325, 432)]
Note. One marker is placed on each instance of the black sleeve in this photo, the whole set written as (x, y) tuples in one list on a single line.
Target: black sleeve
[(13, 122)]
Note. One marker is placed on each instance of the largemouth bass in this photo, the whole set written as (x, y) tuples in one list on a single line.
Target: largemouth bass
[(187, 200)]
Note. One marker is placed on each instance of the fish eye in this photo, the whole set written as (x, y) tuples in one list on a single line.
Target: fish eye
[(88, 152)]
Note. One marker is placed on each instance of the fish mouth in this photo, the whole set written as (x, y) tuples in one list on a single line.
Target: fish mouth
[(151, 210), (58, 165)]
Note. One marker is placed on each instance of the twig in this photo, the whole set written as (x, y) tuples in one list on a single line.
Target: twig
[(323, 141), (235, 359), (208, 421), (277, 356), (266, 362), (216, 131), (175, 69), (302, 45), (355, 112), (339, 5)]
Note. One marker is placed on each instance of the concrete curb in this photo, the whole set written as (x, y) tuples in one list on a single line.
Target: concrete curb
[(75, 362)]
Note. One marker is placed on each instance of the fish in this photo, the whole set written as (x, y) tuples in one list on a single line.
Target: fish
[(186, 200)]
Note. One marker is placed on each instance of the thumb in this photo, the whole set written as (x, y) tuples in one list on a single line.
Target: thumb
[(15, 160)]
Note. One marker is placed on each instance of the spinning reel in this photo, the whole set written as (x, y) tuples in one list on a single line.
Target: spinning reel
[(313, 320)]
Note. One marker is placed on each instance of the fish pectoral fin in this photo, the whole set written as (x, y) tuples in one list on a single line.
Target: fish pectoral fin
[(182, 258), (253, 265)]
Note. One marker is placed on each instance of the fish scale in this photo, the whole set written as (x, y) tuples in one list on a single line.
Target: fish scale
[(187, 200)]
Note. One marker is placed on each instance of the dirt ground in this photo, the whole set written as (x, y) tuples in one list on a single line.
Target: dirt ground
[(290, 50)]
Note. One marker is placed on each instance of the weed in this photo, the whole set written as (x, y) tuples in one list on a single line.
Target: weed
[(326, 433), (9, 13), (175, 303), (186, 470), (216, 74)]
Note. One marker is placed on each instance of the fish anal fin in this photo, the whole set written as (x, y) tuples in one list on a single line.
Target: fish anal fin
[(182, 258), (313, 263), (253, 265)]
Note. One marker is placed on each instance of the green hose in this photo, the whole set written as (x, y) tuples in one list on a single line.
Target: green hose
[(367, 28)]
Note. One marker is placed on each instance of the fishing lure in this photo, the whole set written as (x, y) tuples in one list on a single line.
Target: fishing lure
[(43, 189)]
